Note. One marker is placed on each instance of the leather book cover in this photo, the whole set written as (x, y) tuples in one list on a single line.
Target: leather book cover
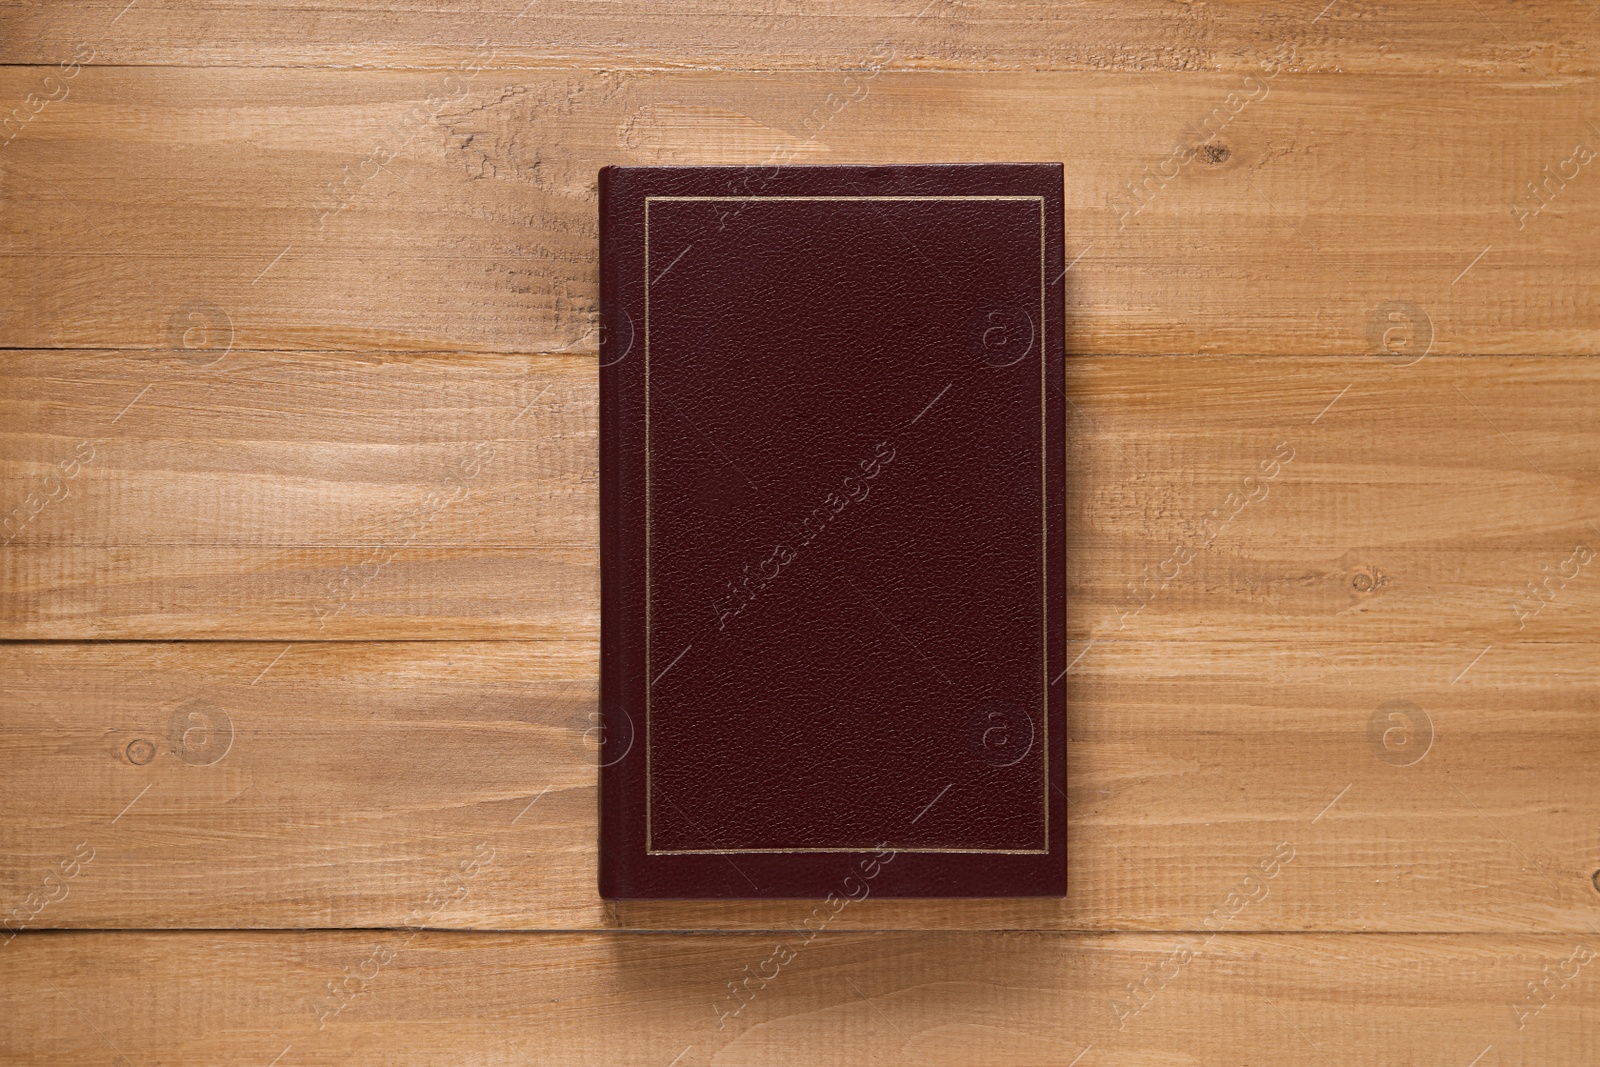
[(832, 547)]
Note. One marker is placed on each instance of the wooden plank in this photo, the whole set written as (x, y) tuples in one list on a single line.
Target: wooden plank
[(355, 773), (1272, 212), (1311, 502), (842, 999), (1239, 784), (309, 496), (298, 497), (1495, 37)]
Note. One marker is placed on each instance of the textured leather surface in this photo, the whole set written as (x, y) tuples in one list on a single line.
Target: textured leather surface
[(832, 549)]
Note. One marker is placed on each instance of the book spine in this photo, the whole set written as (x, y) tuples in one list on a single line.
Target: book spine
[(613, 336)]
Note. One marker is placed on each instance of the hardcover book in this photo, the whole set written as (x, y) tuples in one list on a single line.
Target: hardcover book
[(832, 548)]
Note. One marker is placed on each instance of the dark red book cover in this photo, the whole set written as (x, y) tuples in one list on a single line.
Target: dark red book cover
[(832, 548)]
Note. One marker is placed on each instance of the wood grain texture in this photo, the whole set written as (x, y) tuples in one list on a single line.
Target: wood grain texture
[(316, 496), (1315, 503), (1490, 37), (841, 999), (1213, 212)]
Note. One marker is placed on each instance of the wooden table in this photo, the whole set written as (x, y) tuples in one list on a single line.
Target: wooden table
[(300, 584)]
